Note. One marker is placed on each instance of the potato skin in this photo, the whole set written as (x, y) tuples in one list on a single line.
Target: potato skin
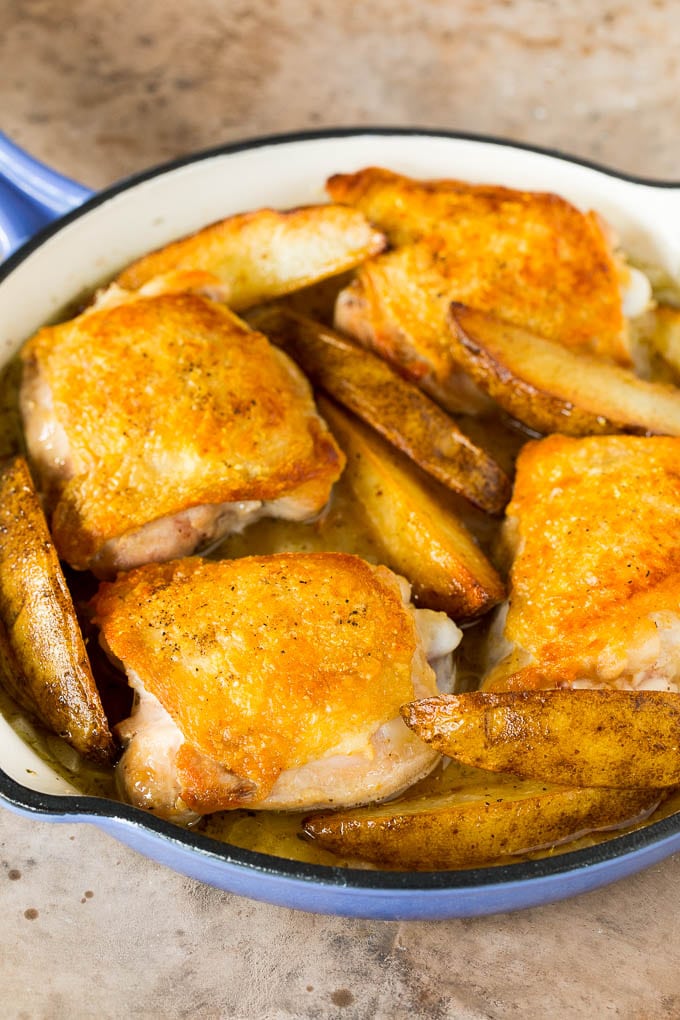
[(394, 407), (590, 738), (418, 537), (442, 833), (552, 389), (43, 662)]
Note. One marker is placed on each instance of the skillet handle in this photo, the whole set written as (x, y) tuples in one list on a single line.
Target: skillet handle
[(31, 196)]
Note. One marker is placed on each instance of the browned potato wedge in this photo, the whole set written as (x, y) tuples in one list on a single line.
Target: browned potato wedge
[(418, 537), (399, 411), (607, 738), (552, 389), (484, 822), (43, 662), (256, 256)]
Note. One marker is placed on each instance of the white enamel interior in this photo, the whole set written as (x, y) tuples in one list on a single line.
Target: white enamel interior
[(88, 251)]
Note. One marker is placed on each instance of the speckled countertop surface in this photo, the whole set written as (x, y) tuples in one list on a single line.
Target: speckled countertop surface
[(101, 90)]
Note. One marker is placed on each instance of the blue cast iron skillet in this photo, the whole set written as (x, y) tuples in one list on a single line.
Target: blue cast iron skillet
[(36, 203)]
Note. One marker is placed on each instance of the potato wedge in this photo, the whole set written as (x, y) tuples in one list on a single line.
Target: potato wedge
[(485, 822), (43, 662), (607, 738), (399, 411), (417, 535), (256, 256), (551, 389)]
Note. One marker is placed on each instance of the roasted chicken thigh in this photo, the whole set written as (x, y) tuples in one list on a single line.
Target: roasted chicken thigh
[(157, 424), (270, 682), (592, 532), (530, 258)]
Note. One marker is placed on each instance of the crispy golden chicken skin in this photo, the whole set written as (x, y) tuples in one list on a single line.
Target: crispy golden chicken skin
[(270, 681), (163, 422), (595, 583), (530, 258)]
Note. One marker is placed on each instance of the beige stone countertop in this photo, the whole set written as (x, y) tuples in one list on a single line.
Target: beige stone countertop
[(91, 929)]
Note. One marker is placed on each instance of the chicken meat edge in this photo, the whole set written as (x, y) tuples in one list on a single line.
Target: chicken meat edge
[(383, 763)]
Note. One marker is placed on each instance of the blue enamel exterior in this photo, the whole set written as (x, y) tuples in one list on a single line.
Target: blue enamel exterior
[(367, 894), (31, 197)]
